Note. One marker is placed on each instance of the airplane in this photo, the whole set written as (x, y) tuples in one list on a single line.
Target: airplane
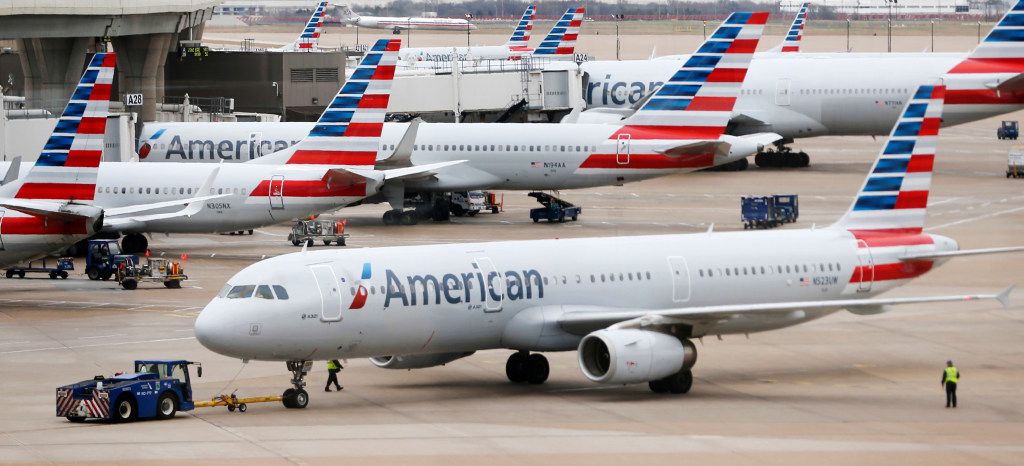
[(398, 24), (332, 166), (53, 206), (669, 134), (791, 44), (309, 39), (513, 49), (800, 95), (630, 306)]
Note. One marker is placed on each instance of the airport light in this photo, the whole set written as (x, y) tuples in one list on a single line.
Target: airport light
[(890, 4)]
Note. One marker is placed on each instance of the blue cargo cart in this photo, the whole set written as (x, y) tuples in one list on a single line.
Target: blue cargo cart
[(554, 210), (1009, 129), (761, 212), (157, 389), (54, 270)]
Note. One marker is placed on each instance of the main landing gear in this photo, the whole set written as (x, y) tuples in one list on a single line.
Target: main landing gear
[(735, 166), (680, 382), (523, 367), (437, 209), (296, 397), (782, 156)]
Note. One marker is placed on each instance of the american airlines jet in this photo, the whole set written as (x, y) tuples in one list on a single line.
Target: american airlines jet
[(680, 129), (513, 49), (630, 306), (53, 206), (309, 38), (332, 167), (803, 94), (398, 24)]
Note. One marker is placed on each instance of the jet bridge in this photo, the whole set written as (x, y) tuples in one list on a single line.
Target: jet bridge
[(483, 90)]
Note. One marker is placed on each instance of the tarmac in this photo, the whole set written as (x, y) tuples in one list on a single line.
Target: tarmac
[(842, 390)]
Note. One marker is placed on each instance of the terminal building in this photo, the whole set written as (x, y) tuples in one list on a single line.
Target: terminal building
[(904, 8)]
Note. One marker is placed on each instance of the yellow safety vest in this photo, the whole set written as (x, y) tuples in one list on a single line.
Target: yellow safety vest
[(332, 366), (951, 374)]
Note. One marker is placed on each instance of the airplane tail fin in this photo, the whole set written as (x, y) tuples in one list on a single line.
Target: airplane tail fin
[(894, 196), (310, 37), (348, 132), (561, 41), (69, 162), (346, 12), (697, 101), (993, 73), (791, 43), (521, 36)]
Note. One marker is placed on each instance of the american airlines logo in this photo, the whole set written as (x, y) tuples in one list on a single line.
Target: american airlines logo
[(474, 286), (225, 149)]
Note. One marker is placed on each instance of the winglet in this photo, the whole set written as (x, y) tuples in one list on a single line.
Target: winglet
[(1004, 296), (12, 171)]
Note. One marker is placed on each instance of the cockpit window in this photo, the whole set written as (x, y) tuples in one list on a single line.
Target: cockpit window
[(224, 291), (241, 291), (281, 293), (263, 291)]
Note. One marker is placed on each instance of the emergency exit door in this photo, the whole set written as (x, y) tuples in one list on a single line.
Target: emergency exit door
[(330, 292), (276, 192), (622, 149), (782, 92), (680, 278)]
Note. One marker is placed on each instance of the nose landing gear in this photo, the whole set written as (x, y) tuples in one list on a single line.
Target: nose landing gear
[(297, 397)]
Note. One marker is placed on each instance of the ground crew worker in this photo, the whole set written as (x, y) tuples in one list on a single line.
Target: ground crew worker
[(333, 367), (950, 377)]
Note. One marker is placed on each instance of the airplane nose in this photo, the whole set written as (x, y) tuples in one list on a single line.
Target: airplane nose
[(212, 331)]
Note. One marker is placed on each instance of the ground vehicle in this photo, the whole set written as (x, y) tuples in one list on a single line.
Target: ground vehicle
[(467, 203), (759, 212), (1015, 164), (129, 273), (157, 389), (554, 209), (1009, 129), (308, 231), (39, 266), (101, 256)]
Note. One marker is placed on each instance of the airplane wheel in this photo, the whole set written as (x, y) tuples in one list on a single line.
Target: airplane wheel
[(657, 386), (300, 399), (408, 217), (680, 382), (805, 160), (286, 398), (389, 218), (515, 367), (537, 369)]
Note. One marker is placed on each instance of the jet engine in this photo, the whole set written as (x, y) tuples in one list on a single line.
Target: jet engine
[(417, 361), (741, 147), (626, 356)]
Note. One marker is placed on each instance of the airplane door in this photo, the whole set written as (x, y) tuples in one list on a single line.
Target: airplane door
[(622, 149), (782, 92), (330, 292), (680, 279), (866, 267), (494, 284), (277, 192)]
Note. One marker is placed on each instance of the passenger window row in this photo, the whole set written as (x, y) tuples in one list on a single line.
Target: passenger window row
[(164, 190), (496, 148), (736, 271)]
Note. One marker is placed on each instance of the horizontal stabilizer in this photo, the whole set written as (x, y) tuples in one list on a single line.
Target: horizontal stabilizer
[(56, 210), (962, 252), (697, 149), (585, 322)]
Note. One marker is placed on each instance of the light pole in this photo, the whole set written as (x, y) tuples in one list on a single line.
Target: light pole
[(468, 17), (618, 43), (890, 4)]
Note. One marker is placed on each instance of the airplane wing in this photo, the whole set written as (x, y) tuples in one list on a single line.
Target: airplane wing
[(357, 175), (585, 321), (419, 171), (123, 216), (962, 252), (58, 210)]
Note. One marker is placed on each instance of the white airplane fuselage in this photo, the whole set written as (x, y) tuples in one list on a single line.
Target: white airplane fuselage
[(413, 55), (498, 156), (250, 199), (468, 297), (815, 94), (390, 22)]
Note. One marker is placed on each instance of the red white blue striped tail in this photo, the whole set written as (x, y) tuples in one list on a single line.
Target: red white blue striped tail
[(310, 37), (68, 165), (521, 36), (894, 196), (561, 41), (697, 101), (348, 132), (1002, 51), (796, 32)]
